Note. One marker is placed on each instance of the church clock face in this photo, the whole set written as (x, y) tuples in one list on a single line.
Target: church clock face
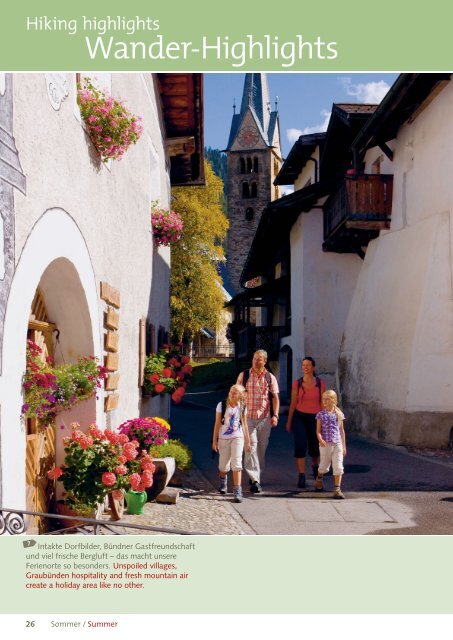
[(248, 137)]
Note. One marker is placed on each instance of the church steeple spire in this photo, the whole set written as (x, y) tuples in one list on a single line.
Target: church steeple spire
[(255, 101), (256, 96)]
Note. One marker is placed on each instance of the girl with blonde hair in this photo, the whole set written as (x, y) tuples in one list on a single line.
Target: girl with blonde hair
[(332, 441), (230, 433)]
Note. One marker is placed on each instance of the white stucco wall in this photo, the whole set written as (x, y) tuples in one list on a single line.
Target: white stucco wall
[(397, 355), (308, 173), (95, 218), (322, 285)]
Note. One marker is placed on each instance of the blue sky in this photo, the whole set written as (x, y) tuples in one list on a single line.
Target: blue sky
[(304, 100)]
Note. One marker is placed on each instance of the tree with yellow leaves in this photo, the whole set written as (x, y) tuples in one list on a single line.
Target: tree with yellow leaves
[(196, 299)]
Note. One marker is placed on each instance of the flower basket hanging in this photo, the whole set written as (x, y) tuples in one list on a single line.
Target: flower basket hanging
[(50, 390), (167, 226), (110, 125)]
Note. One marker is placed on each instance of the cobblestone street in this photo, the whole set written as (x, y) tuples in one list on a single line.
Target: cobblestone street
[(199, 509)]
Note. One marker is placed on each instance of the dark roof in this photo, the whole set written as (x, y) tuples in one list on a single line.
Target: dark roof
[(235, 122), (405, 97), (226, 282), (255, 98), (297, 158), (275, 225), (182, 110), (345, 122), (272, 124), (263, 294), (356, 107)]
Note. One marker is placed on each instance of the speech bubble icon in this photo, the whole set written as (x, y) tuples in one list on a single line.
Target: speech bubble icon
[(29, 543)]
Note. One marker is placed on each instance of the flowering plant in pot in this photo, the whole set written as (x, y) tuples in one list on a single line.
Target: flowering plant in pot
[(152, 433), (148, 432), (100, 463), (167, 372), (167, 225), (110, 125), (49, 390)]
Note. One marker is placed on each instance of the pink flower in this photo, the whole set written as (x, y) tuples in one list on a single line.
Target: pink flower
[(122, 459), (121, 470), (112, 437), (130, 451), (147, 479), (54, 473), (95, 432), (108, 478), (135, 481)]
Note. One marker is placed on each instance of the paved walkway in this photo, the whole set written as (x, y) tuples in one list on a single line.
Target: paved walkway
[(199, 509), (389, 490)]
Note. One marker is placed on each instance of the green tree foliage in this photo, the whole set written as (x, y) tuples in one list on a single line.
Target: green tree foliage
[(196, 299), (218, 161)]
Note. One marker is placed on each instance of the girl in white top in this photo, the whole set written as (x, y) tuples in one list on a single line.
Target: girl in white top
[(230, 432)]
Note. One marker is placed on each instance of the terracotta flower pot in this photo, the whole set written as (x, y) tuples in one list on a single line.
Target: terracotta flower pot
[(64, 510), (165, 468)]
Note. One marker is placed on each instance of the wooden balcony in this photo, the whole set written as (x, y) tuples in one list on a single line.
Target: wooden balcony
[(357, 211)]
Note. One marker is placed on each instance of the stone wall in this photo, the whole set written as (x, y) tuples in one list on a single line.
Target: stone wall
[(241, 230)]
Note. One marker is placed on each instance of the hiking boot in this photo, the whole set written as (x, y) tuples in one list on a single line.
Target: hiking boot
[(255, 487), (338, 494), (238, 497), (319, 486), (315, 471), (223, 485), (301, 482)]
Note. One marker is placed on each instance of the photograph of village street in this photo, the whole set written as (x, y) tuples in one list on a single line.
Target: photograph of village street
[(226, 304)]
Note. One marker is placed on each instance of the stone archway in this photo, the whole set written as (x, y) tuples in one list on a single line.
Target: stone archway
[(54, 258)]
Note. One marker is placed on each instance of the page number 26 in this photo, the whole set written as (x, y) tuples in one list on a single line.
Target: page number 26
[(29, 623)]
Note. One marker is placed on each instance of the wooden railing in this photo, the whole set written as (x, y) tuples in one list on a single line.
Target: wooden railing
[(361, 202)]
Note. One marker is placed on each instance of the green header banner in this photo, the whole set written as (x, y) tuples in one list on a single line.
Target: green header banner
[(296, 35)]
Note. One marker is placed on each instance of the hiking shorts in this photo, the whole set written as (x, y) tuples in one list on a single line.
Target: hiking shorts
[(304, 432)]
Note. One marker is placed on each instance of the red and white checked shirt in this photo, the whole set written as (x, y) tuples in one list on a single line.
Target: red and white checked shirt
[(257, 398)]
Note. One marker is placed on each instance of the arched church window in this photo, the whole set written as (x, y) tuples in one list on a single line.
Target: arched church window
[(245, 190), (254, 190), (255, 165), (249, 165), (249, 213), (242, 165)]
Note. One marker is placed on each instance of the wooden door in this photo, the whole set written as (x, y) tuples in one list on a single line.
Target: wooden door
[(40, 440)]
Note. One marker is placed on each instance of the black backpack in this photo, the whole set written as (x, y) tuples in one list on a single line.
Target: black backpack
[(245, 379), (300, 385)]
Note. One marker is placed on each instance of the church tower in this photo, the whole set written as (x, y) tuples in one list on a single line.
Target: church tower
[(253, 161)]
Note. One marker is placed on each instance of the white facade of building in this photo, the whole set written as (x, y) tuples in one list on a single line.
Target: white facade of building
[(322, 285), (77, 223), (396, 360)]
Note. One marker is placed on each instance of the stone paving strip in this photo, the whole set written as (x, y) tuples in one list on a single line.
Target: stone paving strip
[(200, 508)]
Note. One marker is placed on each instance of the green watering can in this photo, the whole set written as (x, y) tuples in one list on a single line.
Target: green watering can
[(136, 501)]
